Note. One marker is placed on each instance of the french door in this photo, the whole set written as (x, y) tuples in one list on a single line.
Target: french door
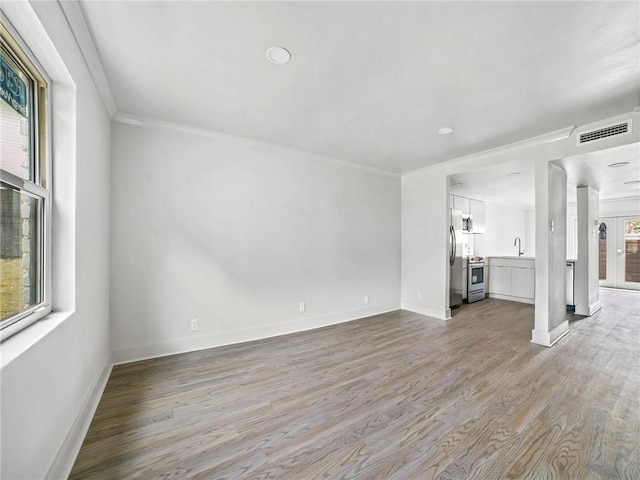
[(619, 265)]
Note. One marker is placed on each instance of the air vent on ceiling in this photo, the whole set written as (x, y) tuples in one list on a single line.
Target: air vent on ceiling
[(621, 128)]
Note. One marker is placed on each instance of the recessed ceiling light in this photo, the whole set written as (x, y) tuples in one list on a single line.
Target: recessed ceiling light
[(513, 174), (445, 130), (632, 182), (456, 185), (619, 164), (278, 55)]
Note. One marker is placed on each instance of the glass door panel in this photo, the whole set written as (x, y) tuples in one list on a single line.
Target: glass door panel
[(602, 255), (619, 257), (631, 250)]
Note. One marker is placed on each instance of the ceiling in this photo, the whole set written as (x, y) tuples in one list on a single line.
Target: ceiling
[(513, 183), (593, 170), (372, 82)]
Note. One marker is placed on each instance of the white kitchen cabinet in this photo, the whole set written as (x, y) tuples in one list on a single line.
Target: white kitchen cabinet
[(523, 282), (457, 202), (466, 205), (500, 282), (470, 206), (461, 203), (477, 211), (512, 278)]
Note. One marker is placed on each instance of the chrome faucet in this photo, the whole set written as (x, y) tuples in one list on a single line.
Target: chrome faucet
[(517, 242)]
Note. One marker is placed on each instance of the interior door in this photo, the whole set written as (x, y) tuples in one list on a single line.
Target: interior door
[(620, 252)]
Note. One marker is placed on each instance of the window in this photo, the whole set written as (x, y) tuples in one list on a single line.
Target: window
[(25, 198)]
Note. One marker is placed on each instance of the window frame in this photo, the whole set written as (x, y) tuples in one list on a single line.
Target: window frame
[(39, 185)]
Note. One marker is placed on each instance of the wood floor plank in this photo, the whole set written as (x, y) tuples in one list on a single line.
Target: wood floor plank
[(397, 396)]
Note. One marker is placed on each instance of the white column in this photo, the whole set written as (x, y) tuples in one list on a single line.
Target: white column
[(551, 245), (587, 289)]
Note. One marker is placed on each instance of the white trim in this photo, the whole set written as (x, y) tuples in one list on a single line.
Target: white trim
[(193, 343), (509, 148), (610, 200), (510, 298), (22, 341), (595, 307), (147, 122), (66, 457), (549, 339), (84, 39), (621, 289), (24, 19), (63, 147), (42, 122), (435, 312)]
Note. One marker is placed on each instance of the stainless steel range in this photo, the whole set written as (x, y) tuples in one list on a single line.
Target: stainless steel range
[(475, 283)]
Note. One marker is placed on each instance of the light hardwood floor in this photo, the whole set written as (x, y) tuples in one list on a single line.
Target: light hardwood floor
[(397, 396)]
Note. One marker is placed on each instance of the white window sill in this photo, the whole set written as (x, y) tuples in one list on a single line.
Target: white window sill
[(17, 344)]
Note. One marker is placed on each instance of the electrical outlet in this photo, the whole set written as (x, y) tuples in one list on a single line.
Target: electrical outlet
[(194, 324), (366, 299), (303, 307)]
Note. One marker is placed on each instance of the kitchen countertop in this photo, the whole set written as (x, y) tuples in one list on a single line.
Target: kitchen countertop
[(514, 257)]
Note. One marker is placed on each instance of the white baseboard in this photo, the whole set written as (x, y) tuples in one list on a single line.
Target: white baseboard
[(190, 344), (435, 312), (66, 456), (548, 339), (499, 296), (589, 310), (594, 307)]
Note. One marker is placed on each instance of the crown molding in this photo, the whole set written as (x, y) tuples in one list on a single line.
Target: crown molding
[(146, 122), (550, 137), (80, 28)]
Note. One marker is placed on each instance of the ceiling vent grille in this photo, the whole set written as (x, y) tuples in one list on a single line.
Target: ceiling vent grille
[(622, 128)]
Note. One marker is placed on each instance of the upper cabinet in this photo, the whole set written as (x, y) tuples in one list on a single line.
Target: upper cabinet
[(478, 214), (474, 208), (462, 204)]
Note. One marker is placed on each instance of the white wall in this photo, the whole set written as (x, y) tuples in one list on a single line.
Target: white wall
[(425, 231), (53, 372), (586, 285), (503, 224), (236, 233), (619, 207), (530, 232), (556, 239), (550, 256)]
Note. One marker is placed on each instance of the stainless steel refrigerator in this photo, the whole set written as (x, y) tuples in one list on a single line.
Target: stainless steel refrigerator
[(455, 259)]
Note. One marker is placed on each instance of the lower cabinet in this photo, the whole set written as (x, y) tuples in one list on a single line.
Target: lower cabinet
[(510, 281), (500, 280), (523, 282)]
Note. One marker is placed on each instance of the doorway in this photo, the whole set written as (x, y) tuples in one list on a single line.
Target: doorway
[(619, 256)]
